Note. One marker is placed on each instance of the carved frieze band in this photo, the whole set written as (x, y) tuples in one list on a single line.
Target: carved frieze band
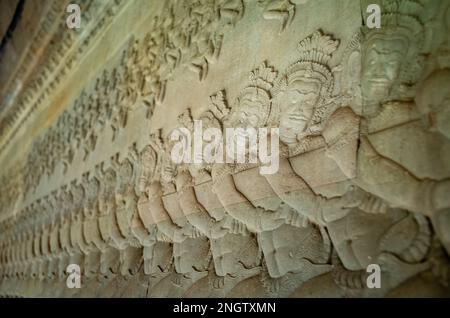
[(141, 217), (60, 59)]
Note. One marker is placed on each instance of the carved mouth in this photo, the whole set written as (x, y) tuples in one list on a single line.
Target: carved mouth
[(378, 81), (298, 117)]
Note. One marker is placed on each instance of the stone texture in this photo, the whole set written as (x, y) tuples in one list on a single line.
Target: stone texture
[(363, 114)]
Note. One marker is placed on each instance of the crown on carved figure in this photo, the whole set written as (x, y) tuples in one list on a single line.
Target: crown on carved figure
[(317, 48), (315, 54), (263, 77), (256, 94)]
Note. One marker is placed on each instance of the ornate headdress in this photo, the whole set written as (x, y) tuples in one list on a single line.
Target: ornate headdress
[(400, 19), (257, 93)]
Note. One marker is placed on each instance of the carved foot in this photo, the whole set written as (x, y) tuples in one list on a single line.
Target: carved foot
[(177, 279), (218, 282)]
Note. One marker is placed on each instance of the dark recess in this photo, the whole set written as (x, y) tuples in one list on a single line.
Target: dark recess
[(12, 26)]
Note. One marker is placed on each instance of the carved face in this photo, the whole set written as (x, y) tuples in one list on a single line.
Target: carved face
[(250, 111), (433, 102), (381, 65), (247, 117), (296, 108)]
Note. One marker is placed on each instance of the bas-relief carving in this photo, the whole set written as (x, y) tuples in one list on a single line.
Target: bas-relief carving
[(234, 250), (139, 225), (283, 10), (191, 254), (397, 119), (195, 32), (58, 62)]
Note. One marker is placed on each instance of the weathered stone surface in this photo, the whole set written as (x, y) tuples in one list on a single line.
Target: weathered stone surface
[(87, 177)]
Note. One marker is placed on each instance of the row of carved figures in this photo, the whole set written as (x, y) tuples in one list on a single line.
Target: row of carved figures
[(141, 226), (186, 34), (189, 36), (354, 187)]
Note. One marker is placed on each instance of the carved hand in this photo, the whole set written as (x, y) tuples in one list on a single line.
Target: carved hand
[(272, 220), (190, 231), (179, 236), (218, 229), (235, 226)]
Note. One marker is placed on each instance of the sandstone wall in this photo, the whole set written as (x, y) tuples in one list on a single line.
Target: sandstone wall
[(363, 114)]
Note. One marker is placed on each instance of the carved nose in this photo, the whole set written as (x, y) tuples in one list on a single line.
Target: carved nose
[(379, 70)]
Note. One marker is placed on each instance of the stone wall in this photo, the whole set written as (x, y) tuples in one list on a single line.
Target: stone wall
[(87, 177)]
